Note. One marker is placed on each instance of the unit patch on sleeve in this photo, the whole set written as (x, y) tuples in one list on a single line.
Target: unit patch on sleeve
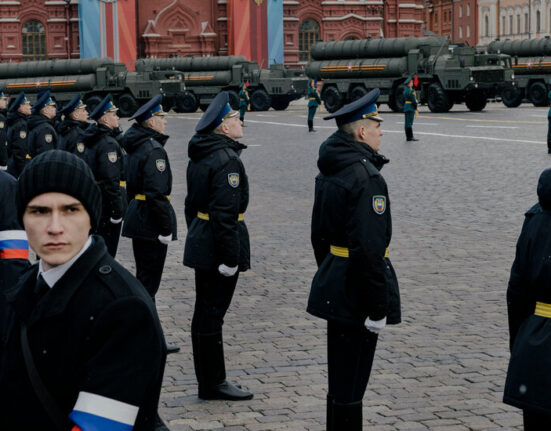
[(1, 124), (80, 147), (161, 165), (112, 156), (379, 204), (48, 138), (233, 179), (22, 134)]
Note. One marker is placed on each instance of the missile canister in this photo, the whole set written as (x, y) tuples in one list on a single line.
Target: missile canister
[(53, 67), (185, 64), (357, 68), (522, 48)]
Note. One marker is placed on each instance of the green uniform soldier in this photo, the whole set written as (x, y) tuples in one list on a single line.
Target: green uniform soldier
[(313, 102), (410, 108), (243, 102)]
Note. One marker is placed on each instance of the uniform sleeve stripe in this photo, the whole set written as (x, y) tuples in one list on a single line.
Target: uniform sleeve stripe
[(13, 243), (106, 408), (89, 422), (13, 234)]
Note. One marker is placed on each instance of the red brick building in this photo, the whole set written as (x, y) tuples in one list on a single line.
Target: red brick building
[(49, 29), (457, 19)]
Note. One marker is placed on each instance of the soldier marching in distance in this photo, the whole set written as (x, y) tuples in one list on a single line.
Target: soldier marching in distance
[(42, 135), (18, 149)]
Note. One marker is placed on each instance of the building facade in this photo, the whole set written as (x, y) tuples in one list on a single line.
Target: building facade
[(456, 19)]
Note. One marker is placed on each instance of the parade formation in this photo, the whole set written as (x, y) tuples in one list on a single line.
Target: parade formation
[(82, 346)]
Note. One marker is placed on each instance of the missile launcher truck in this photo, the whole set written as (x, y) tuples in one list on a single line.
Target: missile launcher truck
[(531, 60), (447, 74), (94, 78), (205, 77)]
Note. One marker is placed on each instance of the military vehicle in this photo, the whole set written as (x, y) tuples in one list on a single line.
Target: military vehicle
[(532, 65), (447, 74), (94, 78), (205, 77)]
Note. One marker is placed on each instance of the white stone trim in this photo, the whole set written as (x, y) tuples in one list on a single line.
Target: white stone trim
[(56, 20), (352, 15), (9, 20), (54, 3), (222, 18), (347, 3), (9, 3), (414, 21), (290, 18)]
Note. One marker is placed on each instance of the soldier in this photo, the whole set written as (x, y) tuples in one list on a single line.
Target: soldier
[(83, 345), (529, 309), (243, 102), (105, 158), (410, 108), (313, 102), (42, 135), (3, 131), (74, 123), (217, 243), (18, 148), (150, 219), (355, 288), (14, 247)]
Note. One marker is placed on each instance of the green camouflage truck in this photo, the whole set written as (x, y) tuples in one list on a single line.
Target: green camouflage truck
[(94, 78), (447, 74), (531, 60), (205, 77)]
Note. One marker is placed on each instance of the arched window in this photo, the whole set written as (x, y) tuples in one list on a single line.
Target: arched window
[(538, 16), (510, 24), (518, 23), (34, 41), (460, 32), (486, 26), (468, 30), (308, 34), (468, 10)]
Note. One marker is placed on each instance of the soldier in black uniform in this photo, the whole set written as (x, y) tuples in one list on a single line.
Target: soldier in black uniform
[(14, 247), (150, 219), (74, 123), (3, 131), (217, 243), (80, 324), (105, 158), (355, 288), (42, 135), (529, 308), (18, 148)]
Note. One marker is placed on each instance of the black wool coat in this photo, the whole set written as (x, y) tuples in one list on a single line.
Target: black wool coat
[(18, 147), (42, 134), (352, 210)]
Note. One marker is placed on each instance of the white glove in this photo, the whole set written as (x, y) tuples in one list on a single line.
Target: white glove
[(165, 239), (115, 221), (375, 326), (226, 271), (3, 168)]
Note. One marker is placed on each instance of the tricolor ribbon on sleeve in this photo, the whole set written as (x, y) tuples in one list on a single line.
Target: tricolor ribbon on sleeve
[(94, 412), (14, 244)]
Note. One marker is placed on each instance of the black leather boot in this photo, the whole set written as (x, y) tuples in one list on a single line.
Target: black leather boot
[(208, 358), (311, 126), (347, 416), (160, 425), (408, 137), (329, 416)]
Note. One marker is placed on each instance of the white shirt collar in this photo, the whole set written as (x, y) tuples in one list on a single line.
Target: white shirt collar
[(53, 275)]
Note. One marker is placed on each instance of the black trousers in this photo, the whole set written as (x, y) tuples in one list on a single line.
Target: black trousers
[(111, 234), (150, 256), (350, 352), (535, 421), (213, 295)]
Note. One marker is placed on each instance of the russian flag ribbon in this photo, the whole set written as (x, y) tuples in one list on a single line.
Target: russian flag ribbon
[(14, 244), (94, 412)]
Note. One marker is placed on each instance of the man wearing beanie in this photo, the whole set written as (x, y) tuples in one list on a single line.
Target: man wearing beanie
[(105, 158), (42, 134), (84, 344), (74, 123), (217, 243), (150, 219), (3, 132), (18, 148)]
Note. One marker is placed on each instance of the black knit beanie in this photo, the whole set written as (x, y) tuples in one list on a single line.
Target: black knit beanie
[(61, 172)]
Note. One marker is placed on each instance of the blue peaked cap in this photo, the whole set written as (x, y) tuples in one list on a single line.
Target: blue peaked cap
[(150, 109), (363, 108), (218, 111), (106, 105), (75, 103)]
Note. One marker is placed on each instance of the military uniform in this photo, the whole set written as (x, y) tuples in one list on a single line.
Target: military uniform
[(150, 212), (70, 131), (3, 136), (351, 232), (410, 107), (106, 159), (243, 102), (14, 247), (313, 102), (18, 148), (42, 135), (529, 308), (218, 196)]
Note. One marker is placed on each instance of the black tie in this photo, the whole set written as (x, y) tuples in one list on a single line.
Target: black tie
[(40, 288)]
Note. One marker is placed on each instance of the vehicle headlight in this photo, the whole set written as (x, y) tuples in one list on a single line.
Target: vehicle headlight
[(513, 76), (471, 78)]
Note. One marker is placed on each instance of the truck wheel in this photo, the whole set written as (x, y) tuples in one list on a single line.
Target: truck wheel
[(92, 102), (233, 99), (332, 99), (537, 93), (260, 100), (357, 93), (399, 99), (475, 101), (511, 96), (437, 99), (127, 105), (186, 102), (280, 104)]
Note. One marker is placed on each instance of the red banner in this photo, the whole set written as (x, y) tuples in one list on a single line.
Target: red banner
[(248, 29)]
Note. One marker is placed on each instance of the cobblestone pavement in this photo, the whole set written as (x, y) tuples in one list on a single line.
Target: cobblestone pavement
[(458, 199)]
